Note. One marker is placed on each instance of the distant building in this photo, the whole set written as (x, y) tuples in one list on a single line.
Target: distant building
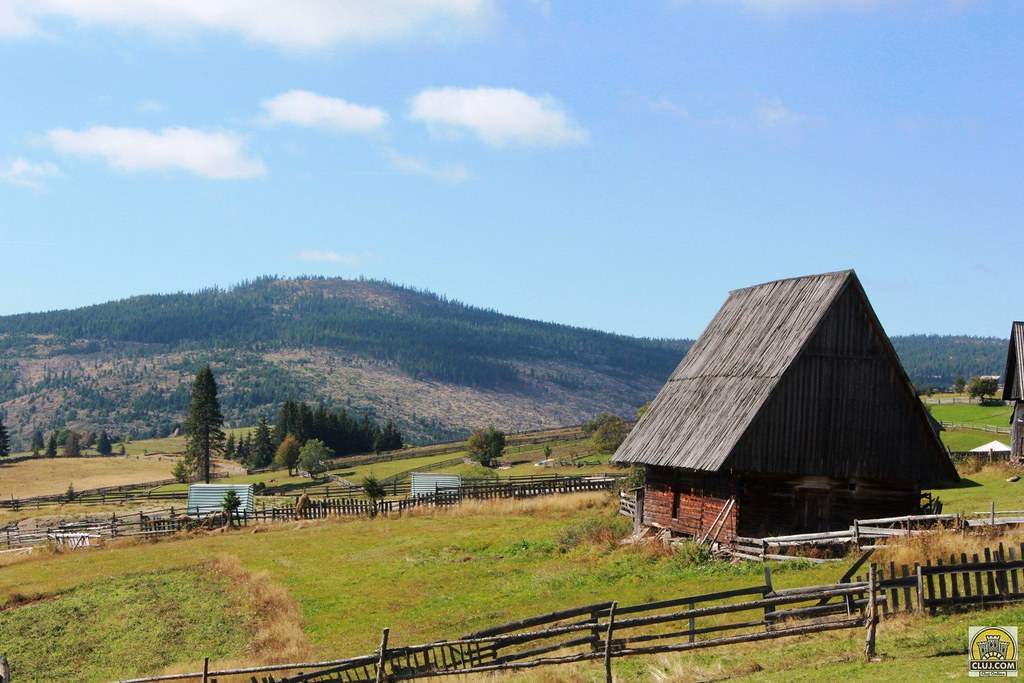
[(791, 413), (1013, 391)]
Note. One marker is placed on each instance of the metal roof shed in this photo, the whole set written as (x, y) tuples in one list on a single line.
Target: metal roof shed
[(206, 498), (428, 483)]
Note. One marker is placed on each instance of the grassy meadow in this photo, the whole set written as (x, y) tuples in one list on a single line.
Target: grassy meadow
[(972, 414), (430, 575), (45, 476)]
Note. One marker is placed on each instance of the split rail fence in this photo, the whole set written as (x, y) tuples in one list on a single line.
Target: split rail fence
[(160, 522), (604, 631)]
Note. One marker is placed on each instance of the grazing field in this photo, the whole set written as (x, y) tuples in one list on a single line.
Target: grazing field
[(426, 576), (45, 476), (968, 439), (973, 414), (976, 491)]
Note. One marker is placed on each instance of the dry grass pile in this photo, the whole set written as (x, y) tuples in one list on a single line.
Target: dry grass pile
[(945, 543)]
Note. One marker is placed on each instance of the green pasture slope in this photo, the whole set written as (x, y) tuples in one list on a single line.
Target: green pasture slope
[(425, 577)]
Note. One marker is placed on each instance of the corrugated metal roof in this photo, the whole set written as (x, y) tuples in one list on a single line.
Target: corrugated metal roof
[(426, 483), (206, 498), (1013, 384), (728, 374)]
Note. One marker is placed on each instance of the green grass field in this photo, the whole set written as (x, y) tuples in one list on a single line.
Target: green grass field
[(972, 414), (425, 576)]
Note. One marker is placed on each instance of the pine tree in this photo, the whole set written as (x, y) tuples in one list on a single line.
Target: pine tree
[(37, 442), (5, 442), (262, 444), (242, 452), (51, 446), (203, 427), (103, 446), (229, 447)]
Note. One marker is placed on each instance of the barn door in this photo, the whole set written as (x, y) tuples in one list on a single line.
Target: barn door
[(813, 510)]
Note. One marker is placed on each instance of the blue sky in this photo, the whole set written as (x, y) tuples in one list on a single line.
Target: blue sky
[(618, 166)]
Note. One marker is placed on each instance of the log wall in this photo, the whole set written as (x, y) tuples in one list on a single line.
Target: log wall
[(1017, 434), (689, 502)]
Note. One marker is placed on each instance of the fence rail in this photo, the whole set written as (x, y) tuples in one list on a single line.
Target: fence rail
[(172, 520), (975, 426), (607, 630)]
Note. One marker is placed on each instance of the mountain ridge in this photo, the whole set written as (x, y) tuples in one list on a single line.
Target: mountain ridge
[(436, 366)]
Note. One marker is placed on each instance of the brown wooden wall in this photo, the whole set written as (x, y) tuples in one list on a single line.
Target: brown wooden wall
[(843, 410), (701, 497), (768, 505)]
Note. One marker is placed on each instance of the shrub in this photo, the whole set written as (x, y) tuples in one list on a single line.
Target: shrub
[(600, 531)]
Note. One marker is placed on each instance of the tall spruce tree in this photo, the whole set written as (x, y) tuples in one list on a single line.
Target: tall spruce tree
[(5, 441), (51, 446), (103, 445), (37, 442), (262, 444), (204, 433), (229, 447)]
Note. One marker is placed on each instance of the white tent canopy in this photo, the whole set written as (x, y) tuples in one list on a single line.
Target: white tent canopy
[(993, 446)]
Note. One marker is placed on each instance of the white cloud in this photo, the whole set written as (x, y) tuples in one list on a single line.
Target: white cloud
[(28, 174), (774, 114), (451, 174), (295, 24), (328, 256), (212, 154), (498, 116), (305, 108)]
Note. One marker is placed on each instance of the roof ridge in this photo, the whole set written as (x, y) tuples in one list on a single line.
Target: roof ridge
[(847, 272)]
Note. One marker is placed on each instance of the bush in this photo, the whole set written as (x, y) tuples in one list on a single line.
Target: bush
[(486, 445), (373, 488), (180, 472)]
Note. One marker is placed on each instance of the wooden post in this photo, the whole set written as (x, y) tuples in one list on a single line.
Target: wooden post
[(869, 643), (381, 658), (856, 533), (608, 644), (768, 590), (920, 589), (992, 515), (5, 669), (206, 669)]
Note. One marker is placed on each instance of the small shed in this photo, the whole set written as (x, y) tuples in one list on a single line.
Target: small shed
[(428, 483), (208, 498), (1013, 390), (790, 413)]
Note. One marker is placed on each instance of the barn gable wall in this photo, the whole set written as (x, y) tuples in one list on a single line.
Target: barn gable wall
[(1017, 434), (843, 409)]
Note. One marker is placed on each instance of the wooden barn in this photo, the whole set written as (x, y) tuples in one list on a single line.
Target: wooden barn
[(1013, 390), (791, 413)]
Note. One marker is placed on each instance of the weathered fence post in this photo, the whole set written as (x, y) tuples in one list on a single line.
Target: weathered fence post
[(920, 588), (206, 669), (869, 643), (768, 590), (608, 644), (382, 657), (992, 514), (5, 669)]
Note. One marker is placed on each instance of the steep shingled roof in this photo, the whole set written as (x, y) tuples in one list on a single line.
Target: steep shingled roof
[(1013, 385), (727, 378)]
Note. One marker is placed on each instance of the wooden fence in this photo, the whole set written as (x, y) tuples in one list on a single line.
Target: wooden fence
[(606, 630), (155, 523), (975, 426)]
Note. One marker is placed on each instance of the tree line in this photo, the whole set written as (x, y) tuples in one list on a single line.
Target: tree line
[(300, 436)]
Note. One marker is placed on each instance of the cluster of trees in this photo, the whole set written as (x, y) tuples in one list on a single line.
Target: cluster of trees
[(607, 431), (5, 441), (301, 438), (66, 442)]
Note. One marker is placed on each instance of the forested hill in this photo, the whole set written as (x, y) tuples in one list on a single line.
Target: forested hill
[(426, 335), (435, 366)]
